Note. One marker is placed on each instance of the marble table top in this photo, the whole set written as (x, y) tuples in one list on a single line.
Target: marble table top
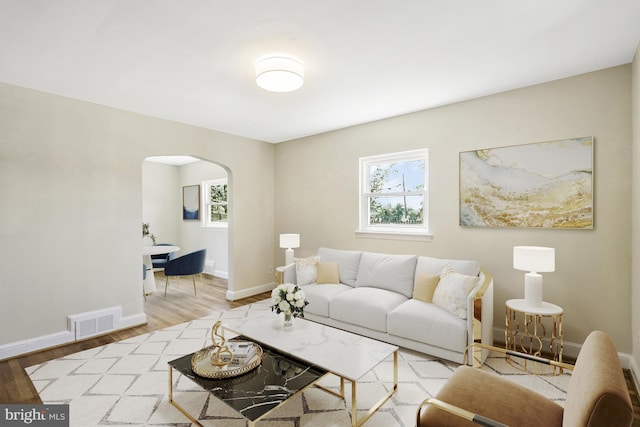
[(343, 353)]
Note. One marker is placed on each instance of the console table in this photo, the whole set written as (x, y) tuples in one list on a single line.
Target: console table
[(525, 330)]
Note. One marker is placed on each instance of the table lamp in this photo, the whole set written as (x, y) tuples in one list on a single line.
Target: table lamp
[(535, 260), (289, 241)]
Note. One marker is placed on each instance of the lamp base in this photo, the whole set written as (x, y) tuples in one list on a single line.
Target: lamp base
[(533, 289), (288, 256)]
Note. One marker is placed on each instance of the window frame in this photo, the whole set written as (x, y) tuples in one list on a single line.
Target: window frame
[(394, 231), (206, 203)]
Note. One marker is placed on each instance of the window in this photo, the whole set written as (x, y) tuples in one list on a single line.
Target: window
[(214, 195), (394, 194)]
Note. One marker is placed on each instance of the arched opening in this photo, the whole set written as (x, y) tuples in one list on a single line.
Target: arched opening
[(185, 202)]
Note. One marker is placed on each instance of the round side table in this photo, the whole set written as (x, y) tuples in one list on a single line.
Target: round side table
[(527, 337)]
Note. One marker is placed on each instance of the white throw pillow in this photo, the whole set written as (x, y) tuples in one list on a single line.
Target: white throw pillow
[(306, 270), (452, 292)]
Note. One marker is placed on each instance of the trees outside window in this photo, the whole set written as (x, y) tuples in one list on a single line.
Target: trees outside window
[(215, 193), (394, 193)]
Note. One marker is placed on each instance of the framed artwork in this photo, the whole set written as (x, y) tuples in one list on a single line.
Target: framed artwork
[(539, 185), (191, 202)]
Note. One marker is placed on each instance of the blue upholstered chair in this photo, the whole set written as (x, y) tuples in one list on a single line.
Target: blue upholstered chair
[(160, 260), (144, 276), (185, 265)]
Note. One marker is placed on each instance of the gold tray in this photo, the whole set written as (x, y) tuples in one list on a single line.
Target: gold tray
[(201, 364)]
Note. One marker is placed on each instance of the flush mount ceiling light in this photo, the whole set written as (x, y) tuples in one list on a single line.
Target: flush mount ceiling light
[(279, 74)]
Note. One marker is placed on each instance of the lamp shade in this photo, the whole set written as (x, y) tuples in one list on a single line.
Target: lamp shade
[(535, 259), (289, 241), (279, 74)]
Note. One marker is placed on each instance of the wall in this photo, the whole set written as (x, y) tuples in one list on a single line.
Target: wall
[(635, 301), (317, 192), (161, 201), (70, 188)]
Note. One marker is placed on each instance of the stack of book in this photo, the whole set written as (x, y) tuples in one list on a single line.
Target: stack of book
[(243, 352)]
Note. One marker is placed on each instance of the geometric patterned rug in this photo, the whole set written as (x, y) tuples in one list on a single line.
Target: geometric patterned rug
[(126, 384)]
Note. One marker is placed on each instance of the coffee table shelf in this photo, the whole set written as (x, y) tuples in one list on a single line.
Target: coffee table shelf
[(254, 394)]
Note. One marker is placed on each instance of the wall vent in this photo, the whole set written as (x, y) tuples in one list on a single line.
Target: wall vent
[(85, 325), (209, 266)]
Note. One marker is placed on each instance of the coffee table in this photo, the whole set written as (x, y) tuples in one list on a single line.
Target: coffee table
[(316, 349), (256, 393), (344, 354)]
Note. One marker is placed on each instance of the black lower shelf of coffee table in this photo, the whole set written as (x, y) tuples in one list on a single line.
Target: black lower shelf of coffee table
[(278, 378)]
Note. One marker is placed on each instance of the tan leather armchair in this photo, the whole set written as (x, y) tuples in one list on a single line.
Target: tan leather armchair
[(597, 396)]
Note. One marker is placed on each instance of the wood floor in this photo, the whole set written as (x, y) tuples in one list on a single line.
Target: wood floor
[(179, 306)]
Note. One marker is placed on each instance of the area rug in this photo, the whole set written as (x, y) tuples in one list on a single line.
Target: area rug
[(126, 384)]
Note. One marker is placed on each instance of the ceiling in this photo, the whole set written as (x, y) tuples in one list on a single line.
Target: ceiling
[(192, 61)]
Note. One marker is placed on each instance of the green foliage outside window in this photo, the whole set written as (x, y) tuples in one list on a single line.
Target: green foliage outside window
[(396, 193)]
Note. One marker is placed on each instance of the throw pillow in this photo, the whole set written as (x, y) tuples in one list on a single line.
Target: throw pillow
[(452, 292), (327, 272), (306, 270), (425, 286)]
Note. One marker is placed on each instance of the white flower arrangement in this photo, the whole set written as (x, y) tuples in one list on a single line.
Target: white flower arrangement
[(289, 299)]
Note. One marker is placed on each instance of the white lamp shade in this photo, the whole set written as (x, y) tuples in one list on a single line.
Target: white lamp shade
[(536, 259), (289, 241), (279, 74)]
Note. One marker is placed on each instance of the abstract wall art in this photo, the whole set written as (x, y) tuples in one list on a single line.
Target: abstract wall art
[(191, 202), (539, 185)]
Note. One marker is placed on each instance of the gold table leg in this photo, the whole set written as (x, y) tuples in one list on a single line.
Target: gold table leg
[(174, 403), (355, 422), (533, 332)]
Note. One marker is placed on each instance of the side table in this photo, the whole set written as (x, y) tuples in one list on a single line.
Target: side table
[(527, 337)]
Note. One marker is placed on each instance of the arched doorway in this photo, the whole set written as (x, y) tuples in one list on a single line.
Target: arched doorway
[(167, 184)]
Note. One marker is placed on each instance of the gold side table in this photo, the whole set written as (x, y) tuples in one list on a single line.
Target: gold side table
[(525, 331)]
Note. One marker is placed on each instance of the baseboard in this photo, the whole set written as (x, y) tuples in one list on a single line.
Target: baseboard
[(56, 339), (221, 274), (635, 371), (244, 293)]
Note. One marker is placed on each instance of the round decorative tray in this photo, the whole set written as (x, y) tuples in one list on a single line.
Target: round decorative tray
[(202, 366)]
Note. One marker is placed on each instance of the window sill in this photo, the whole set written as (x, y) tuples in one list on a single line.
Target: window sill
[(215, 227), (395, 235)]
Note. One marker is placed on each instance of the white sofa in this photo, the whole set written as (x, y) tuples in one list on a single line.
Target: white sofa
[(373, 295)]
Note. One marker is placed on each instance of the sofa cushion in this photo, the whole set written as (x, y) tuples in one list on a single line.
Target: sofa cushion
[(425, 286), (424, 322), (438, 266), (452, 292), (347, 263), (328, 272), (392, 272), (319, 297), (306, 270), (366, 307)]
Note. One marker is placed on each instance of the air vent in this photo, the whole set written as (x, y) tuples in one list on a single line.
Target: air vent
[(209, 266), (85, 325)]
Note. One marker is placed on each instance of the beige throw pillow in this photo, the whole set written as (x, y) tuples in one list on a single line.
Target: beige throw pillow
[(328, 272), (425, 286)]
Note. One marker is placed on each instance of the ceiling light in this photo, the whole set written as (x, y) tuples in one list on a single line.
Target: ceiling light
[(279, 74)]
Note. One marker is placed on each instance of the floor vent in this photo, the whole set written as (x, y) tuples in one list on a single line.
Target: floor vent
[(85, 325), (209, 266)]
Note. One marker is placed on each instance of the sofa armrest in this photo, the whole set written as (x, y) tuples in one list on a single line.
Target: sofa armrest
[(286, 274), (480, 318)]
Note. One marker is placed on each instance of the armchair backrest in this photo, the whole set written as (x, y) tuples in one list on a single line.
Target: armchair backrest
[(598, 393), (191, 263)]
